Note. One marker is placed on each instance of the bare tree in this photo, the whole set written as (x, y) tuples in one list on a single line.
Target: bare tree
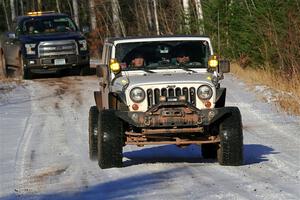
[(156, 17), (117, 22), (57, 6), (22, 7), (70, 7), (149, 15), (92, 14), (5, 13), (39, 5), (186, 8), (12, 9), (115, 17), (199, 15), (75, 9)]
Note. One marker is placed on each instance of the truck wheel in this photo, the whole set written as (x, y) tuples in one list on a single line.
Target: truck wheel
[(110, 144), (3, 65), (93, 129), (84, 70), (22, 71), (209, 151), (230, 151)]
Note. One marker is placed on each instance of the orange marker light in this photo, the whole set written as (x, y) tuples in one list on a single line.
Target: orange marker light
[(207, 104), (135, 107)]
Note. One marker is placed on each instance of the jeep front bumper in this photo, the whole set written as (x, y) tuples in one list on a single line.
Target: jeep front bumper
[(172, 115)]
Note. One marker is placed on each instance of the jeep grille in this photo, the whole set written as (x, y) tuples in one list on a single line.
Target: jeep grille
[(154, 94), (62, 47)]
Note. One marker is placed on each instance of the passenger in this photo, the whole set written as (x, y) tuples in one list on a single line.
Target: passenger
[(138, 61), (31, 30)]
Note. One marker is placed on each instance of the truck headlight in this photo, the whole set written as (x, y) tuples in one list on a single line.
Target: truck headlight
[(137, 95), (30, 49), (205, 92), (82, 45)]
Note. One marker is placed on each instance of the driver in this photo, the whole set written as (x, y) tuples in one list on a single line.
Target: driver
[(138, 60), (182, 58)]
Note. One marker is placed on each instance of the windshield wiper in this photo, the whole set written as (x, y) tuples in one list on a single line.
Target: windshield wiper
[(148, 71), (142, 68), (185, 67)]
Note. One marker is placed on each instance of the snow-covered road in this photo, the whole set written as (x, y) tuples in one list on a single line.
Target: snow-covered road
[(44, 151)]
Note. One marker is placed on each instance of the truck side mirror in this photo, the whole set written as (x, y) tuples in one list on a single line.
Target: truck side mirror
[(224, 66), (85, 29), (11, 35), (101, 70)]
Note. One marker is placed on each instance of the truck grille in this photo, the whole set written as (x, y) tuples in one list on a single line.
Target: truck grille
[(53, 48), (154, 94)]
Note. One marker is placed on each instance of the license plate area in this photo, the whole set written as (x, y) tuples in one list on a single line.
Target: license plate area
[(61, 61), (172, 113)]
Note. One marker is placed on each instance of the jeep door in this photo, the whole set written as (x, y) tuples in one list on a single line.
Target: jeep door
[(104, 82)]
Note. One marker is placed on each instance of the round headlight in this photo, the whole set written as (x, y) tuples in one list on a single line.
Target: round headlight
[(137, 95), (205, 92)]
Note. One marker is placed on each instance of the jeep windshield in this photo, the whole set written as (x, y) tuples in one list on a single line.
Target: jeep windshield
[(163, 55), (47, 25)]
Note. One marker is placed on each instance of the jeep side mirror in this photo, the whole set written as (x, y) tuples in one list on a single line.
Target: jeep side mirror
[(101, 70), (85, 29), (11, 35), (224, 66)]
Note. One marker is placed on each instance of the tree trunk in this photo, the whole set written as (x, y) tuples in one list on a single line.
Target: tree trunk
[(116, 18), (149, 15), (12, 10), (92, 14), (75, 9), (22, 7), (186, 9), (138, 18), (5, 13), (39, 5), (199, 16), (118, 25), (57, 6), (156, 17), (70, 7)]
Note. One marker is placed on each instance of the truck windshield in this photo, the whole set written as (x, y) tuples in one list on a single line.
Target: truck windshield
[(44, 25), (163, 54)]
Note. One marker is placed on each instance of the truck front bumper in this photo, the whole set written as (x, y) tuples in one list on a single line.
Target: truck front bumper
[(57, 63)]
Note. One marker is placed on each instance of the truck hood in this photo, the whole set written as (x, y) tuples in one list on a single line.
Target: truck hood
[(51, 36)]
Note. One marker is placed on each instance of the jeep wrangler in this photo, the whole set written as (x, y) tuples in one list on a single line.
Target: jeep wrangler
[(163, 101), (44, 42)]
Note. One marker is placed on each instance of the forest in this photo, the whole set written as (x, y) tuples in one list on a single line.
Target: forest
[(258, 34)]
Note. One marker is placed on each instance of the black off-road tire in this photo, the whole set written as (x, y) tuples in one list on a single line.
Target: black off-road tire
[(209, 151), (93, 132), (3, 65), (84, 70), (22, 71), (110, 136), (27, 75), (231, 135)]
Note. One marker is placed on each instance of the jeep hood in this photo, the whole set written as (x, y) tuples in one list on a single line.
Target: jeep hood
[(168, 78)]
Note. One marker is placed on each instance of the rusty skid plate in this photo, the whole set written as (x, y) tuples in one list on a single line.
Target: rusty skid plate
[(170, 116), (173, 130)]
